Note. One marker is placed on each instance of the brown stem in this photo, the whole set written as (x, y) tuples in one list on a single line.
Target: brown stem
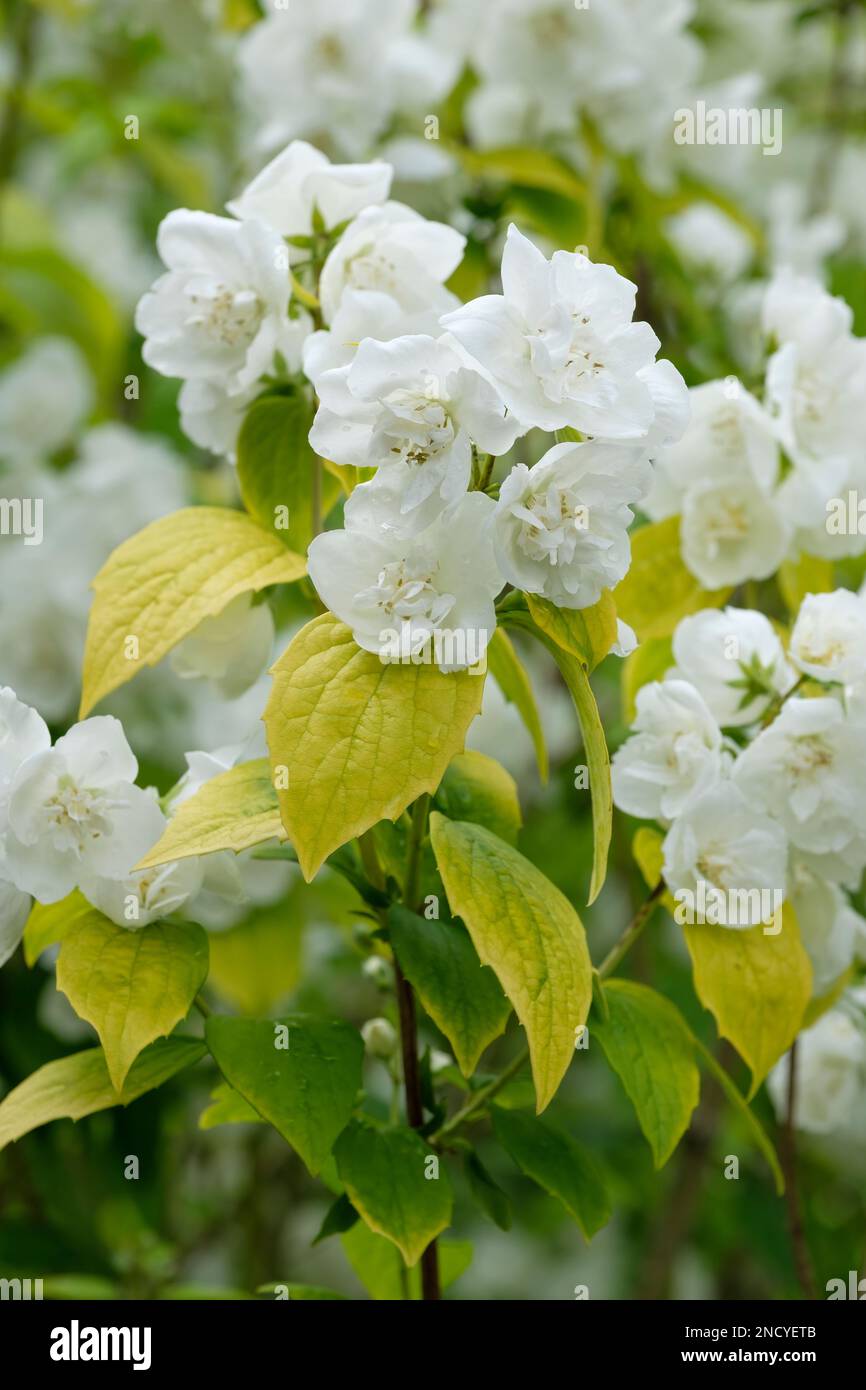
[(802, 1259)]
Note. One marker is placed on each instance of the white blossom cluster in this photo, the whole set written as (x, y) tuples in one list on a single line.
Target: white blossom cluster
[(753, 760), (423, 390), (347, 72), (756, 482), (72, 817)]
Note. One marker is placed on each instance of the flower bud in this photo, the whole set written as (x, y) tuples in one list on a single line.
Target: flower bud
[(380, 1038)]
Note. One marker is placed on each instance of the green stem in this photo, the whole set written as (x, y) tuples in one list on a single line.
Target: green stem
[(632, 931), (416, 838), (203, 1008)]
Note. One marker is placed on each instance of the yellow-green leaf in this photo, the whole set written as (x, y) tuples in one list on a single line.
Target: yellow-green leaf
[(357, 740), (276, 467), (527, 168), (75, 1086), (383, 1169), (48, 924), (808, 574), (755, 985), (235, 810), (256, 965), (478, 789), (659, 590), (528, 932), (510, 675), (161, 583), (587, 633), (132, 986)]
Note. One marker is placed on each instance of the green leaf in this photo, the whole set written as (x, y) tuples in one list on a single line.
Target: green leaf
[(587, 633), (340, 1216), (234, 810), (510, 675), (378, 1265), (307, 1090), (228, 1108), (651, 1049), (383, 1169), (463, 998), (559, 1165), (75, 1086), (47, 925), (487, 1193), (276, 467), (478, 789), (658, 590), (646, 663), (756, 986), (359, 740), (524, 928), (598, 764), (132, 986), (161, 583)]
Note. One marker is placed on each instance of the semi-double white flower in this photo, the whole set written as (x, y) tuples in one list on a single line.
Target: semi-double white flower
[(730, 845), (560, 347), (428, 596), (395, 250), (807, 770), (833, 934), (735, 659), (23, 734), (561, 528), (411, 404), (73, 810), (300, 181), (220, 313), (731, 531), (828, 642), (675, 753), (362, 314)]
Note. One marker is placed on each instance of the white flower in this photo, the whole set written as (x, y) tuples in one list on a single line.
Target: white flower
[(51, 370), (145, 895), (735, 659), (212, 418), (337, 70), (731, 531), (412, 404), (74, 809), (829, 637), (830, 1074), (301, 179), (833, 934), (816, 380), (23, 733), (428, 596), (808, 771), (729, 436), (706, 237), (722, 841), (675, 753), (396, 251), (231, 649), (561, 528), (220, 313), (14, 911), (362, 314), (560, 346)]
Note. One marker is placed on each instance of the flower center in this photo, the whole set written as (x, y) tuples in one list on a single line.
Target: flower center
[(419, 429), (553, 522), (232, 317), (729, 526), (76, 815), (405, 591)]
